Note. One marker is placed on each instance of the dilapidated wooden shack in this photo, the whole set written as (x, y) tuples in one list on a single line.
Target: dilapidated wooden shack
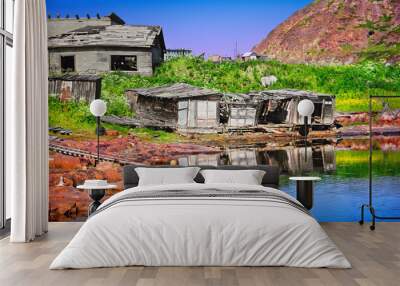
[(239, 111), (75, 87), (183, 107), (190, 109), (279, 108)]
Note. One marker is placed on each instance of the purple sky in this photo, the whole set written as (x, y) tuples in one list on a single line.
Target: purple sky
[(206, 26)]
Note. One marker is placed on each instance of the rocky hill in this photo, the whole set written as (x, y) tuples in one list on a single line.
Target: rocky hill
[(337, 31)]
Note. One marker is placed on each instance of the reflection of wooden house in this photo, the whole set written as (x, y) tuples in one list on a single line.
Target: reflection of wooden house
[(200, 160), (328, 158), (187, 108), (296, 160), (291, 160), (242, 157), (280, 107)]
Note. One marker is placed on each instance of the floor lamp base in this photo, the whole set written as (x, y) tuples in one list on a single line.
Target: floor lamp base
[(374, 216)]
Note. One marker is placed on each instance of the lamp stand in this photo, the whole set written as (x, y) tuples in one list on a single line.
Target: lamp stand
[(369, 206), (305, 135), (98, 139)]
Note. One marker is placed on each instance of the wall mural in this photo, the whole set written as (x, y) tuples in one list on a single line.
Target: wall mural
[(175, 99)]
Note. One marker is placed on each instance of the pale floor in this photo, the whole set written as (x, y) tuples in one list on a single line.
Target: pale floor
[(375, 257)]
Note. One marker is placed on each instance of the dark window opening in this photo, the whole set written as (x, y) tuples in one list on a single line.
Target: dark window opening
[(67, 64), (124, 63)]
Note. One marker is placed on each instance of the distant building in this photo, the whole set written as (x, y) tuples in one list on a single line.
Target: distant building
[(249, 56), (215, 58), (102, 44), (175, 53), (226, 59), (219, 59)]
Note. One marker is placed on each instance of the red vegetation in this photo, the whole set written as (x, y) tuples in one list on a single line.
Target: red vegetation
[(131, 148), (384, 143), (350, 119), (333, 31), (390, 118), (68, 203)]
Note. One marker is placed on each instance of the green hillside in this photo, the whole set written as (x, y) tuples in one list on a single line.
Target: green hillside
[(351, 84)]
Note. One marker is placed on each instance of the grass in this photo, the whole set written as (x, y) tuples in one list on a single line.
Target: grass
[(77, 118), (351, 84), (380, 51), (157, 135), (352, 164)]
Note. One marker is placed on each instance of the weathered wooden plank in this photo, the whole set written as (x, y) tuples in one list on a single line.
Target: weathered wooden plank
[(137, 122), (74, 88)]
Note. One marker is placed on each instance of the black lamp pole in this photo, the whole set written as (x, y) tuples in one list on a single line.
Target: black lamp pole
[(98, 139), (98, 108), (305, 135)]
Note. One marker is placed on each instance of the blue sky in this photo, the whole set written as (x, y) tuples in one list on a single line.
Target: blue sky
[(206, 26)]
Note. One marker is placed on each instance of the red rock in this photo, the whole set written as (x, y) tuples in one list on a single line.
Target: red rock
[(54, 179), (67, 203), (66, 162), (111, 172), (132, 149), (112, 133)]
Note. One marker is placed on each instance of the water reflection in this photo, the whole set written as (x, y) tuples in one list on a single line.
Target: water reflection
[(342, 165), (291, 159)]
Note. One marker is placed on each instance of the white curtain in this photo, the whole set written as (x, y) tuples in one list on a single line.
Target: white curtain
[(27, 124)]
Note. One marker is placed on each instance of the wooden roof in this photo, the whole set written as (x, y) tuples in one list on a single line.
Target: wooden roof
[(108, 36), (289, 93), (237, 98), (113, 17), (176, 91), (76, 77)]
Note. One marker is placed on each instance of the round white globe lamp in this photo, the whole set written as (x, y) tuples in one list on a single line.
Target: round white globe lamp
[(306, 107), (98, 108)]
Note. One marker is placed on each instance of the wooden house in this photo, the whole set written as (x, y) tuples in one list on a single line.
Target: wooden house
[(240, 111), (59, 25), (279, 108), (77, 88), (183, 107), (92, 46)]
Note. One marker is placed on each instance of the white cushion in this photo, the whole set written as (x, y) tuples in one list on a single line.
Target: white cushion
[(166, 176), (246, 177)]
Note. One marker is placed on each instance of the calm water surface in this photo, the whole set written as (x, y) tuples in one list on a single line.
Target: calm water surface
[(343, 167)]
